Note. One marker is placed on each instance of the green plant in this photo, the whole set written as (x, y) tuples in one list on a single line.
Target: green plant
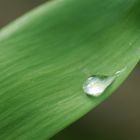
[(46, 56)]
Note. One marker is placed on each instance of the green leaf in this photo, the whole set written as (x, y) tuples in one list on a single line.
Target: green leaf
[(47, 55)]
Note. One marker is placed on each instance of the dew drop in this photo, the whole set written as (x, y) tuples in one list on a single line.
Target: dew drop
[(120, 71), (96, 85)]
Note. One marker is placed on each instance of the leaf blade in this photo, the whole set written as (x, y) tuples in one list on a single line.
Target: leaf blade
[(48, 54)]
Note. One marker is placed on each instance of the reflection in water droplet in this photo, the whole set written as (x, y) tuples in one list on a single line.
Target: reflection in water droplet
[(96, 85), (120, 71)]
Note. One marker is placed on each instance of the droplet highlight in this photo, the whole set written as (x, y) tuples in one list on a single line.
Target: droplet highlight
[(120, 71), (96, 85)]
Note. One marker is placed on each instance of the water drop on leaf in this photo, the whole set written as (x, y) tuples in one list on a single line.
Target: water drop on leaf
[(96, 85)]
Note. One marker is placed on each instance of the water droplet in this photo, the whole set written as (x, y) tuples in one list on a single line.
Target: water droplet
[(120, 71), (96, 85)]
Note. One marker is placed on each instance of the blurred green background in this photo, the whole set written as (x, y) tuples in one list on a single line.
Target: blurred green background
[(118, 118)]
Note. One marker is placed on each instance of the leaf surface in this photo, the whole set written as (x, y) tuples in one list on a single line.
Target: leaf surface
[(46, 56)]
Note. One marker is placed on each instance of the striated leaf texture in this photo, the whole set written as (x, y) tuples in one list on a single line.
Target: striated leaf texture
[(46, 56)]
